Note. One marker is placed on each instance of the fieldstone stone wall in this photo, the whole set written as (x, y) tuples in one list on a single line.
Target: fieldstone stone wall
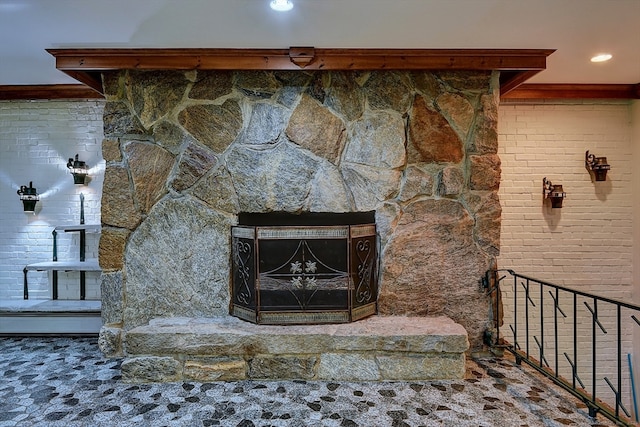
[(187, 151)]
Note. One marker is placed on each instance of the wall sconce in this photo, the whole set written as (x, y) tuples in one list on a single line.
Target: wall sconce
[(78, 169), (29, 197), (597, 165), (553, 192)]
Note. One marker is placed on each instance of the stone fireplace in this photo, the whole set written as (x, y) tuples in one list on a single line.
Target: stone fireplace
[(188, 151)]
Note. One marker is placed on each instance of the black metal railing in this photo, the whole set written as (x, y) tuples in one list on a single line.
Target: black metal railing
[(575, 338)]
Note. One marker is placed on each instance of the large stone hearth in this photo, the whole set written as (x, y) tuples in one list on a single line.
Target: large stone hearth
[(226, 349)]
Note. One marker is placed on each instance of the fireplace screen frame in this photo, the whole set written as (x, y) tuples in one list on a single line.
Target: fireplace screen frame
[(306, 272)]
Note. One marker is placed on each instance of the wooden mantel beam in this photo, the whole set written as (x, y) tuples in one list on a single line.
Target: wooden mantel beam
[(83, 64), (280, 59)]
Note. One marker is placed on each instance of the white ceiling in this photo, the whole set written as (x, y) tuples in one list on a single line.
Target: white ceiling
[(577, 29)]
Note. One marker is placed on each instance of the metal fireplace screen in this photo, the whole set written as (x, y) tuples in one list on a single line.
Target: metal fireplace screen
[(304, 269)]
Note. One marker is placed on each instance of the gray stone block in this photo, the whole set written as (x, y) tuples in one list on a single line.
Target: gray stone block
[(151, 369), (110, 341), (348, 367), (215, 369), (282, 367), (426, 366)]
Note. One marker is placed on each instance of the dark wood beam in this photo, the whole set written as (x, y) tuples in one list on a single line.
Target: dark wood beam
[(509, 80), (574, 91), (56, 91), (82, 64), (92, 79), (280, 59)]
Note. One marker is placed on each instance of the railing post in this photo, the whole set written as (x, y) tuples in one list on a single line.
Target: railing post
[(526, 318), (555, 329), (542, 358), (515, 314), (593, 350), (575, 339), (619, 326), (496, 286)]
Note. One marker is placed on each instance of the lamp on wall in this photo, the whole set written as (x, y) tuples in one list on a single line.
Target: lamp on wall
[(552, 192), (78, 169), (597, 165), (29, 197)]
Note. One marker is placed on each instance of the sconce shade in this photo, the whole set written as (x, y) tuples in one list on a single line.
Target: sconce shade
[(597, 165), (555, 193), (78, 169), (29, 197)]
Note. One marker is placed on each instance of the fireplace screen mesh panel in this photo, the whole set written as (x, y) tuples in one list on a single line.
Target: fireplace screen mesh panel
[(304, 274)]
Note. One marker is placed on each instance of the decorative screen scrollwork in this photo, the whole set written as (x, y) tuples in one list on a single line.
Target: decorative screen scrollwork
[(365, 263), (243, 271)]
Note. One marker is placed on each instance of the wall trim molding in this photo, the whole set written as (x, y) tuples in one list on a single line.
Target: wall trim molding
[(574, 91), (52, 91)]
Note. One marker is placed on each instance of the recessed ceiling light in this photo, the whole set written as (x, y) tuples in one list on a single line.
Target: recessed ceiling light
[(281, 5), (601, 57)]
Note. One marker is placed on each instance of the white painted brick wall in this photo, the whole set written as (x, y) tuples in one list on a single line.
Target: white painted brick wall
[(36, 140), (588, 244)]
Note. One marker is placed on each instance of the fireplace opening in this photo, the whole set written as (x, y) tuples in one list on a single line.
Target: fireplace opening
[(309, 268)]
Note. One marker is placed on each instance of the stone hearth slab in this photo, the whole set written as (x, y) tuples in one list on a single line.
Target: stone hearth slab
[(378, 348)]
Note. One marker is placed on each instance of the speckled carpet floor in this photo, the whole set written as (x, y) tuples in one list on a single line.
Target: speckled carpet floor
[(67, 382)]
